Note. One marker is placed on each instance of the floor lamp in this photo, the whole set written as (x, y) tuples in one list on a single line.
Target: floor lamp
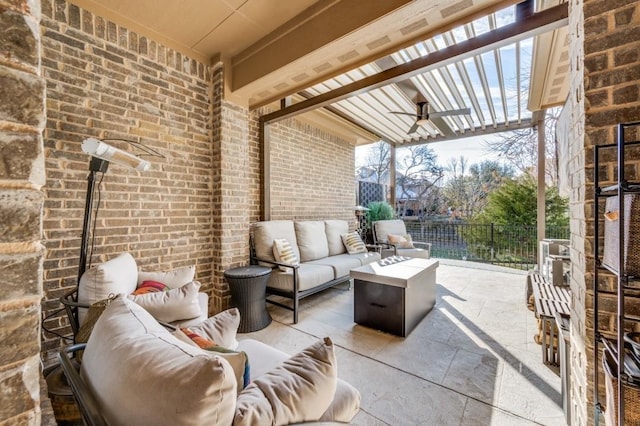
[(101, 155)]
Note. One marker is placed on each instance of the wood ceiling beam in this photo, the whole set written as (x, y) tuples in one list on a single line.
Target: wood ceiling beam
[(528, 26)]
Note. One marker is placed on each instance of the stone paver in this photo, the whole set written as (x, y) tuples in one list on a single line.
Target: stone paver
[(471, 361)]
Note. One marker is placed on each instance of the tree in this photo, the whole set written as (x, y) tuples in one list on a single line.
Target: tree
[(420, 172), (520, 148), (467, 192), (377, 161), (515, 203)]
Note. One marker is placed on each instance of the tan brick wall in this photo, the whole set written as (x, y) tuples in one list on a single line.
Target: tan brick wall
[(22, 118), (105, 81), (312, 173), (605, 67)]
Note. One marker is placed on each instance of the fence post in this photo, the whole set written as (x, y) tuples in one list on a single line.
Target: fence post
[(492, 244)]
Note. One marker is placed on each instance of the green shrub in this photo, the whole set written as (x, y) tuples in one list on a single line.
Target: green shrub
[(379, 210)]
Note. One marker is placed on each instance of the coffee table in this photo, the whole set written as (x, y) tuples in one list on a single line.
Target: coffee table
[(394, 294)]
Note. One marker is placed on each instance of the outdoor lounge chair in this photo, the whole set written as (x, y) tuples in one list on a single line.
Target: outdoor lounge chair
[(392, 237)]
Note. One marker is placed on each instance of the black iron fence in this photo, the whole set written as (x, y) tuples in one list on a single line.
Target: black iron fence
[(505, 245)]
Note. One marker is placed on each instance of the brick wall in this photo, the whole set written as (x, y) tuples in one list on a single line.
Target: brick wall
[(605, 65), (104, 81), (22, 118), (312, 173)]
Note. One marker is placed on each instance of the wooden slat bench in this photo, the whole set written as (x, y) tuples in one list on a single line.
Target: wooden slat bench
[(548, 300)]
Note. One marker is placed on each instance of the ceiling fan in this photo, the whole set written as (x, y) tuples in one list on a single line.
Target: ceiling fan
[(423, 115)]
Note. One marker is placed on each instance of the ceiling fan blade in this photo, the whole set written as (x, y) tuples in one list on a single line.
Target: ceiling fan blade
[(463, 111), (442, 126), (413, 128), (412, 114)]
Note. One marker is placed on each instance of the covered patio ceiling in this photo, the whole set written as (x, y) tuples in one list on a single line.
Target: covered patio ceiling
[(491, 74)]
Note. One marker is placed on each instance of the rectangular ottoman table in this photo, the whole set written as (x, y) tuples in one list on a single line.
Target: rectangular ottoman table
[(395, 293)]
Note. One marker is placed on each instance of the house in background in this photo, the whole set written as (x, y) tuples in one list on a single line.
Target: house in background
[(76, 69)]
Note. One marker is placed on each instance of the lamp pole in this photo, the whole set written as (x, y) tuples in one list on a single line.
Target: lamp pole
[(97, 165)]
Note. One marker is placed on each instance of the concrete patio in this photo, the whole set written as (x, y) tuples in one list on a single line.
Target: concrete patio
[(471, 361)]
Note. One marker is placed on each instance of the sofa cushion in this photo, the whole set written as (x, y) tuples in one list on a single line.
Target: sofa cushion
[(173, 305), (300, 389), (203, 301), (333, 229), (366, 258), (342, 264), (265, 232), (309, 276), (264, 358), (414, 252), (138, 370), (312, 240), (115, 276), (222, 328), (174, 278), (353, 242)]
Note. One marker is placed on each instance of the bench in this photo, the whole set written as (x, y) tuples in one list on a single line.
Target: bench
[(549, 300)]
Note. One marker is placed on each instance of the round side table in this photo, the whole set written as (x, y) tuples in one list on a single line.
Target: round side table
[(248, 285)]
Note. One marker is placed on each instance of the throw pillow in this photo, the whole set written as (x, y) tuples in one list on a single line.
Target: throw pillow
[(353, 243), (221, 328), (173, 305), (150, 287), (116, 276), (174, 278), (299, 390), (238, 360), (401, 241), (283, 252)]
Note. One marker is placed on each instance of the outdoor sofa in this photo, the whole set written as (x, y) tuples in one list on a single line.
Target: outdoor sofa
[(322, 254)]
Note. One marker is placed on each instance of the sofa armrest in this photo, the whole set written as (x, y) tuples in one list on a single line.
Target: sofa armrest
[(88, 405), (271, 262)]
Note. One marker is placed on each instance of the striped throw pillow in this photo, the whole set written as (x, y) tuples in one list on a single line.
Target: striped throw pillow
[(353, 243), (283, 252)]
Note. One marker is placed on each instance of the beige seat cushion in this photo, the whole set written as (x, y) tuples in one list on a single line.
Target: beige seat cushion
[(414, 252), (342, 264), (312, 240), (138, 370), (309, 276), (115, 276), (300, 389), (366, 258), (172, 305)]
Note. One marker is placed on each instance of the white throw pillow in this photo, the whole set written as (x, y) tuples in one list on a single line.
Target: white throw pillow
[(222, 328), (115, 276), (353, 243), (283, 252), (172, 305), (299, 390), (174, 278), (139, 372)]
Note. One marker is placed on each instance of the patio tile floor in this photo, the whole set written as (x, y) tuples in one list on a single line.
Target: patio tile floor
[(471, 361)]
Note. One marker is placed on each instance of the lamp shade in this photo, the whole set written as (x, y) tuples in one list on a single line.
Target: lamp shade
[(111, 154)]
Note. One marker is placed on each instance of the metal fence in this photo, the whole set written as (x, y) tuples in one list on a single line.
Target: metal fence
[(505, 245)]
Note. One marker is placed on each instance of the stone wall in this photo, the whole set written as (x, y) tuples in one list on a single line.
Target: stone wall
[(106, 82), (22, 118), (605, 67)]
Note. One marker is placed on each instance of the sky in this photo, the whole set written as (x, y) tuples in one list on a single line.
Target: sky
[(472, 149)]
